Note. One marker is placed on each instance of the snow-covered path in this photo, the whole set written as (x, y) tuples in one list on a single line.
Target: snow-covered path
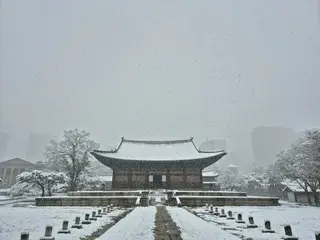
[(139, 224), (194, 228)]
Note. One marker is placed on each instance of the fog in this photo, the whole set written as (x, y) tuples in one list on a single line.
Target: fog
[(158, 69)]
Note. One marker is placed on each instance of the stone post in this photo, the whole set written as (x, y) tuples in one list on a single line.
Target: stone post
[(47, 233), (211, 209), (77, 220), (251, 223), (230, 217), (77, 223), (287, 230), (216, 212), (99, 213), (86, 219), (240, 220), (222, 215), (24, 236), (288, 233), (267, 227), (104, 211), (65, 227), (93, 216), (267, 224)]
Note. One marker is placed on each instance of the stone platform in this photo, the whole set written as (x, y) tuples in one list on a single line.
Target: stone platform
[(142, 198), (97, 198), (217, 198)]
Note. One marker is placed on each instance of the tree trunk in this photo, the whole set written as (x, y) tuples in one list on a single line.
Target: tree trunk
[(49, 189), (308, 193), (316, 198), (43, 191)]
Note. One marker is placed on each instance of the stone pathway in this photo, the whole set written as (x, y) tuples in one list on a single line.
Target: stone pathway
[(166, 228)]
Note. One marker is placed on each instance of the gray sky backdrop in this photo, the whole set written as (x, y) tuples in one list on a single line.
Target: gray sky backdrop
[(158, 69)]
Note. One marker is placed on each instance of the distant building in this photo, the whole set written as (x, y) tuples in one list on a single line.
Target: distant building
[(233, 168), (10, 169), (267, 142), (295, 193), (209, 180), (169, 164)]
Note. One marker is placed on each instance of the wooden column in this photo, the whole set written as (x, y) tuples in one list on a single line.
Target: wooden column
[(129, 178), (113, 178), (168, 186), (185, 177), (146, 180)]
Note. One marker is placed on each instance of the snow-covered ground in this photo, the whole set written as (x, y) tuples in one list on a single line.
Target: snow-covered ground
[(5, 197), (303, 220), (32, 219), (139, 224), (194, 228)]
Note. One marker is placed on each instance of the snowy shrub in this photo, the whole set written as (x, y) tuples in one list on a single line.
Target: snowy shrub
[(89, 183), (229, 180), (37, 179)]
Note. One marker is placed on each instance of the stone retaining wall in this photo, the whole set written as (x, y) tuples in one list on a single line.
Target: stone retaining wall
[(210, 193), (126, 201), (227, 201), (108, 193)]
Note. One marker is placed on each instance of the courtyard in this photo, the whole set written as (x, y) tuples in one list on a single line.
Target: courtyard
[(158, 222)]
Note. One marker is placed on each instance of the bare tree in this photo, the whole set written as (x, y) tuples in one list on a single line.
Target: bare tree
[(301, 163), (71, 155)]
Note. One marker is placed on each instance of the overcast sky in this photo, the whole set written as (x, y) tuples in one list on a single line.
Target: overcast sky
[(158, 69)]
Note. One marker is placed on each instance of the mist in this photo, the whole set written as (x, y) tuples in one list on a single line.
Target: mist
[(158, 70)]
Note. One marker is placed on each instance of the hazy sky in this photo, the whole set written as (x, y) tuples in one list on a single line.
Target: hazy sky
[(158, 69)]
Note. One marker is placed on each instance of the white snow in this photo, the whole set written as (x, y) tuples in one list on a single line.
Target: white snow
[(303, 220), (139, 224), (14, 220), (194, 228), (4, 197), (179, 150), (209, 174)]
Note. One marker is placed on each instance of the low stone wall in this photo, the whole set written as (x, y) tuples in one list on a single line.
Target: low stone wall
[(195, 201), (210, 193), (108, 193), (125, 201)]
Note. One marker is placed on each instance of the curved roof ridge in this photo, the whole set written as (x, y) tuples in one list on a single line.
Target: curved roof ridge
[(158, 141)]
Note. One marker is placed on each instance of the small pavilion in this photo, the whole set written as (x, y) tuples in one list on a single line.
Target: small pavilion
[(169, 164)]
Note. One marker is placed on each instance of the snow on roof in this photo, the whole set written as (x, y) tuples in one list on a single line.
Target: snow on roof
[(295, 187), (210, 174), (16, 161), (232, 166), (184, 149)]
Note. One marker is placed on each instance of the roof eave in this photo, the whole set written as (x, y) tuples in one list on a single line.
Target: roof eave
[(111, 161)]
